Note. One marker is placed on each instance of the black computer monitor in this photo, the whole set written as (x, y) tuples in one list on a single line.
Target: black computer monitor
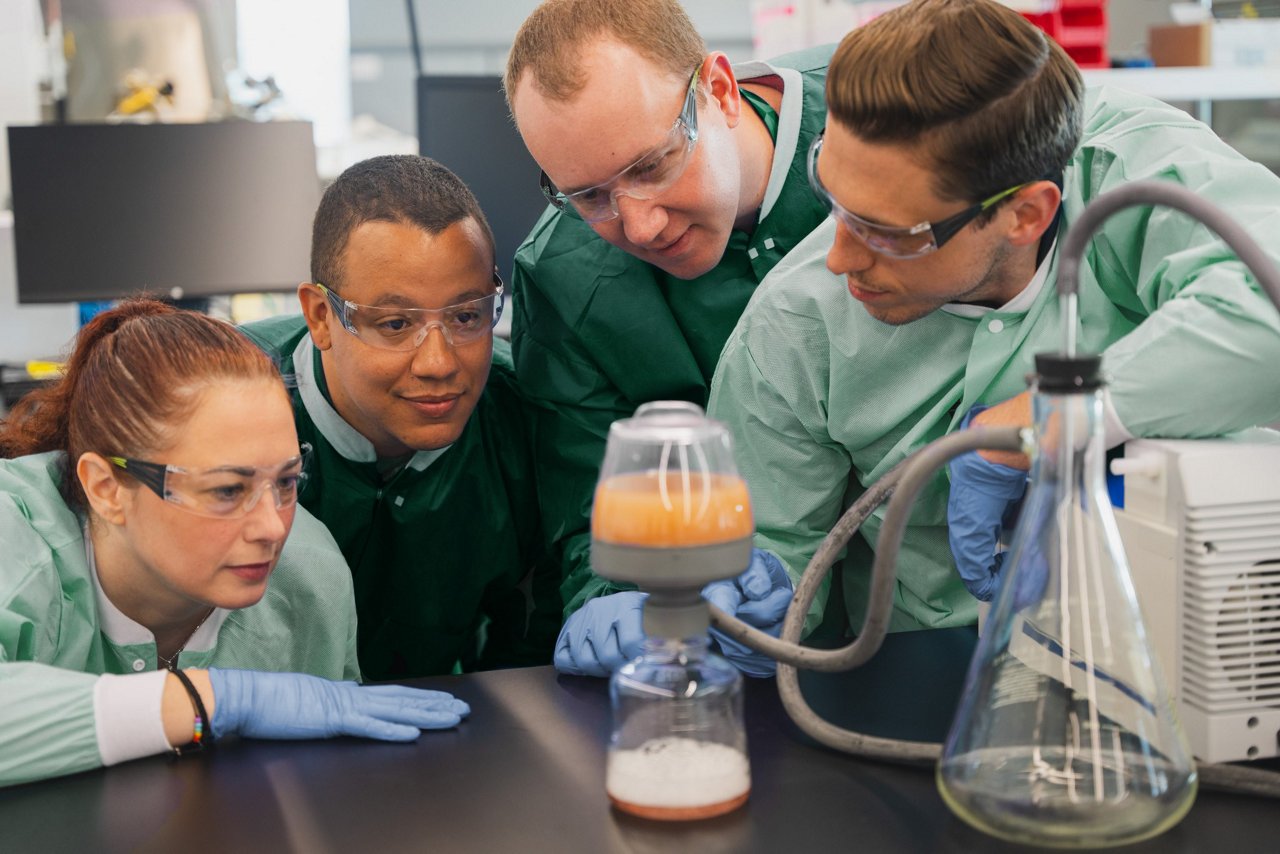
[(464, 124), (181, 210)]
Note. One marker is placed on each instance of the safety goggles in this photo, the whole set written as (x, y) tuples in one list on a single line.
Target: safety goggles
[(647, 178), (394, 328), (900, 241), (223, 492)]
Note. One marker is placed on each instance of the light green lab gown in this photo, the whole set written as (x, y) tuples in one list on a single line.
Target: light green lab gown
[(53, 644), (597, 332), (816, 390)]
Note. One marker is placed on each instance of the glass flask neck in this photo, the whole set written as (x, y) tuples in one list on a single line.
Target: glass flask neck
[(684, 649), (1070, 443)]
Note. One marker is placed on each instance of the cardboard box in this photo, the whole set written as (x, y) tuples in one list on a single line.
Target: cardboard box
[(1233, 43), (1181, 44)]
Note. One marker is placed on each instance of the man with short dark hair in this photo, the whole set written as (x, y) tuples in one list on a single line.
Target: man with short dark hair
[(960, 144), (677, 181), (422, 468)]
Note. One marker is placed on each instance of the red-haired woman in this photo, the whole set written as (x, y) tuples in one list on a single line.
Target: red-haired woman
[(159, 584)]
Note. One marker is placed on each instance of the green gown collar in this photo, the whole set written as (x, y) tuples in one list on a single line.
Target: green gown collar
[(787, 136), (345, 439), (765, 111)]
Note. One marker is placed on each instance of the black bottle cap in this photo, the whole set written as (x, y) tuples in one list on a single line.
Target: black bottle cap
[(1066, 374)]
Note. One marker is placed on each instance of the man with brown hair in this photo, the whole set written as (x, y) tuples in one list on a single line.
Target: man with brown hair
[(960, 144), (677, 182)]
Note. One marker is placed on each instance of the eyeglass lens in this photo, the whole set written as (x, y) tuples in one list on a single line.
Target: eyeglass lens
[(647, 178)]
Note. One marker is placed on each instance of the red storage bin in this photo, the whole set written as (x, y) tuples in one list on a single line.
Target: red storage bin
[(1080, 26)]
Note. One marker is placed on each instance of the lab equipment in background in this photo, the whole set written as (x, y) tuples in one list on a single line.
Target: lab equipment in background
[(464, 123), (1201, 526), (1065, 734), (252, 98), (28, 331), (17, 380), (1080, 26), (181, 210), (142, 98), (184, 43), (670, 515)]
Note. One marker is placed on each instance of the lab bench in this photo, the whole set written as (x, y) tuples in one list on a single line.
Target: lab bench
[(525, 773)]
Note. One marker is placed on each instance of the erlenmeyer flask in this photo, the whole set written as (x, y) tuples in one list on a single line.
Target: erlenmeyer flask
[(1065, 734)]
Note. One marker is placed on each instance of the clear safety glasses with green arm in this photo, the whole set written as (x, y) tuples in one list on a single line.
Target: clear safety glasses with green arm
[(646, 178), (900, 241), (392, 327), (223, 492)]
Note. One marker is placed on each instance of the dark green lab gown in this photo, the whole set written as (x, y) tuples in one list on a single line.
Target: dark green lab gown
[(597, 332), (446, 554)]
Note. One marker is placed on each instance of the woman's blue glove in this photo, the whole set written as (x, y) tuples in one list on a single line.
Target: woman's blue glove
[(982, 495), (758, 597), (256, 704), (602, 635)]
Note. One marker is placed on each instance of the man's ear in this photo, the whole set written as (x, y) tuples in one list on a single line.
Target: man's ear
[(721, 86), (108, 497), (1033, 209), (316, 311)]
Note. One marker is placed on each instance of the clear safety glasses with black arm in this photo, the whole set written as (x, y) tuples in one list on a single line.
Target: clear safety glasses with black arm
[(910, 241), (222, 492), (394, 327), (646, 178)]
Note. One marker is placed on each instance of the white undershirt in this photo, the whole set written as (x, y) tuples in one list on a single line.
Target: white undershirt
[(1114, 431)]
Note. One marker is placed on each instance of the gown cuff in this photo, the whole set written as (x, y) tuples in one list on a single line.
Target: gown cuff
[(127, 716), (1114, 431)]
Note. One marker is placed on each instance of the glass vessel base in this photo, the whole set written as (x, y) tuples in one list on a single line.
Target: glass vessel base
[(1058, 809), (680, 813), (678, 779)]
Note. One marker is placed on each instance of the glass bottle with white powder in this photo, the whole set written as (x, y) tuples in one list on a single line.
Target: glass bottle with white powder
[(678, 750), (671, 514)]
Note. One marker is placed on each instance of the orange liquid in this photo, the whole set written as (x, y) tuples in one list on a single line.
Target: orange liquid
[(681, 813), (647, 510)]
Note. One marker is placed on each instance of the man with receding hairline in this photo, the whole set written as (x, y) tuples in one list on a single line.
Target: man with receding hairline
[(677, 183)]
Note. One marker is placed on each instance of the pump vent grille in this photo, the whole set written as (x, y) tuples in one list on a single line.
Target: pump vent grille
[(1231, 608)]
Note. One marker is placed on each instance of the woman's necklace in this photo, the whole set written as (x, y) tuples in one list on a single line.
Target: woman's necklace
[(171, 663)]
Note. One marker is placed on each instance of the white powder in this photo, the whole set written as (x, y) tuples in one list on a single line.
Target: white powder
[(677, 772)]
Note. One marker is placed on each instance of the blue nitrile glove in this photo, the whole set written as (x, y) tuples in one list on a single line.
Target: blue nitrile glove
[(602, 635), (758, 597), (256, 704), (982, 495), (1032, 568)]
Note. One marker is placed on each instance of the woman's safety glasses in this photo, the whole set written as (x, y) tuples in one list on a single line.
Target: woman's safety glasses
[(647, 178), (224, 492), (390, 327), (899, 241)]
